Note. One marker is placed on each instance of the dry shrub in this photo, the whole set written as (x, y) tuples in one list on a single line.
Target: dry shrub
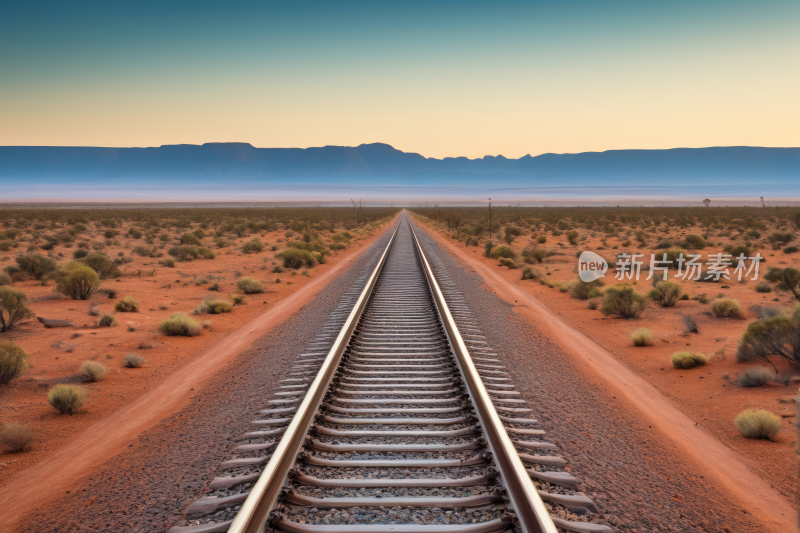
[(237, 299), (127, 305), (727, 308), (180, 325), (690, 324), (757, 424), (67, 398), (16, 437), (508, 263), (212, 307), (76, 280), (249, 286), (13, 360), (686, 360), (133, 360), (107, 320), (531, 273), (503, 251), (642, 337), (93, 371), (754, 377), (4, 279)]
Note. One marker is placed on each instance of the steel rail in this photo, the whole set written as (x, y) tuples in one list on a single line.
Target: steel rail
[(263, 496), (528, 506)]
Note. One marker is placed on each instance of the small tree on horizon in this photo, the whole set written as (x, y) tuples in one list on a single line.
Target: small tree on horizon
[(707, 201)]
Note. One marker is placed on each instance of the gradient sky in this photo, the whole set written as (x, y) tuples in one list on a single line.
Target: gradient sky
[(439, 78)]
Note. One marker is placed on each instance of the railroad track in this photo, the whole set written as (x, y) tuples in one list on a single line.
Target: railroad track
[(398, 418)]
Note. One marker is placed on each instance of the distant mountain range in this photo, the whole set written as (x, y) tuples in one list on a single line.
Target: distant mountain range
[(750, 169)]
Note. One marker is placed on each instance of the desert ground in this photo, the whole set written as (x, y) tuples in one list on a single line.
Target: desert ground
[(135, 241), (709, 395)]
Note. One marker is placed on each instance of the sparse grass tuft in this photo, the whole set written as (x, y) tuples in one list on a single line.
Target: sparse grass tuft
[(689, 323), (757, 424), (180, 325), (763, 286), (16, 437), (237, 299), (13, 360), (133, 360), (93, 371), (127, 305), (67, 398), (249, 286), (686, 360), (726, 308), (754, 377), (642, 337)]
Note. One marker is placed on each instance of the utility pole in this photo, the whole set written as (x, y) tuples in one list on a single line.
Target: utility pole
[(490, 219)]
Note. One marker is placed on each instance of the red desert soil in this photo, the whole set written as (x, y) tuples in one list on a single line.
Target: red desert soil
[(693, 408), (128, 401)]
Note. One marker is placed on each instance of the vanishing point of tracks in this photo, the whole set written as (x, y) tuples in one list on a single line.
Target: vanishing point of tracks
[(399, 418)]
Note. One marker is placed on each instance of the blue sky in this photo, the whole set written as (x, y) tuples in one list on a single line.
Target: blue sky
[(438, 78)]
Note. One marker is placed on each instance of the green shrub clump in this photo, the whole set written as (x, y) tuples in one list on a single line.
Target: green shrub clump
[(67, 398), (685, 360), (191, 239), (13, 360), (76, 280), (180, 325), (249, 286), (583, 290), (642, 337), (694, 242), (212, 307), (772, 335), (107, 321), (36, 265), (623, 301), (666, 293), (534, 255), (503, 251), (252, 247), (187, 252), (127, 305), (726, 308), (12, 307), (100, 263), (295, 258), (757, 424)]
